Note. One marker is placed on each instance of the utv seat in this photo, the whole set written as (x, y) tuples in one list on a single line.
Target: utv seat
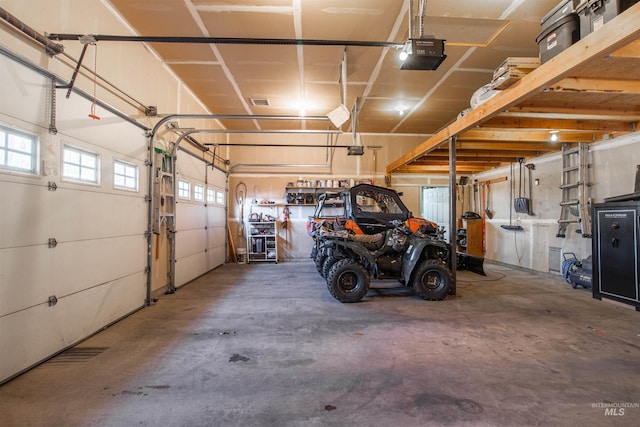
[(370, 241)]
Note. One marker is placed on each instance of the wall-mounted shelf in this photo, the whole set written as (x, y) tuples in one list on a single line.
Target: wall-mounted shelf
[(307, 196)]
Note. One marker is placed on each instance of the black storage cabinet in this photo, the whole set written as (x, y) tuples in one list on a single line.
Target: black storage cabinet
[(616, 229)]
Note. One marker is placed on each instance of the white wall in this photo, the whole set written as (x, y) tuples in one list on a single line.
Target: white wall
[(612, 172)]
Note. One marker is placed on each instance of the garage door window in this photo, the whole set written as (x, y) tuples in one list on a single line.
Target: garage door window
[(125, 175), (198, 193), (211, 195), (80, 165), (18, 150), (184, 190)]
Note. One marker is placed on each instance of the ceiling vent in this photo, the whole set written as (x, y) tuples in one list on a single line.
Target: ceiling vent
[(259, 102)]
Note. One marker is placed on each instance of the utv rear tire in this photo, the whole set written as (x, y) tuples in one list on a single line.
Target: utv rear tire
[(326, 266), (432, 280), (348, 281)]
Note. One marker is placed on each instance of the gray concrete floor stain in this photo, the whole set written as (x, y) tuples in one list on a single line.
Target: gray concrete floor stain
[(266, 345)]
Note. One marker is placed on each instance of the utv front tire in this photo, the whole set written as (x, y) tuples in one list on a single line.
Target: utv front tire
[(348, 281), (432, 280), (320, 258)]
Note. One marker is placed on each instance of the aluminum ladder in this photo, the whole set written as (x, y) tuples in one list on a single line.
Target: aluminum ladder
[(575, 205)]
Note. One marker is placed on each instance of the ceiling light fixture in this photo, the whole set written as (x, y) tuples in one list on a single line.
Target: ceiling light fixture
[(401, 109), (553, 135)]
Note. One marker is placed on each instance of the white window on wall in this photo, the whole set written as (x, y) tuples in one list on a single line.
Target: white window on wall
[(18, 150), (198, 192), (125, 175), (80, 165), (211, 195), (220, 197), (184, 189)]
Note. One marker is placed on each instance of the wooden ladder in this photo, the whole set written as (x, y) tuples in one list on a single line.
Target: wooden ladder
[(575, 205)]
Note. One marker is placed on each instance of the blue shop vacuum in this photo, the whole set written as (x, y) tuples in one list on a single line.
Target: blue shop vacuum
[(577, 272)]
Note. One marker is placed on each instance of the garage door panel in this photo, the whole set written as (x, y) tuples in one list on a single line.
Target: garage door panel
[(80, 265), (190, 242), (215, 237), (216, 178), (37, 214), (31, 274), (190, 267), (31, 224), (110, 132), (20, 90), (86, 215), (70, 320), (21, 284), (190, 168), (189, 216), (215, 257), (216, 216)]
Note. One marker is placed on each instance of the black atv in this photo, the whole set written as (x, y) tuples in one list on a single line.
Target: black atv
[(350, 261)]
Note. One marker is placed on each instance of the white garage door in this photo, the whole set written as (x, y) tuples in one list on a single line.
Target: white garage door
[(72, 249), (200, 218)]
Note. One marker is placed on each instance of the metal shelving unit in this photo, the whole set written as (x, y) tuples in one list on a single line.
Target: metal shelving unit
[(262, 242)]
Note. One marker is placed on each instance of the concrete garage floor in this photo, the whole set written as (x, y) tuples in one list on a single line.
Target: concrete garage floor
[(266, 345)]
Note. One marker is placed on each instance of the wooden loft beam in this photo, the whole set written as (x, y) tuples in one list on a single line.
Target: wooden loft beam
[(470, 159), (614, 35), (572, 114), (441, 169), (632, 50), (494, 153), (427, 161), (533, 123), (579, 84), (509, 146), (524, 135)]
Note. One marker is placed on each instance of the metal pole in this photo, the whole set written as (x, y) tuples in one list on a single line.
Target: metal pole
[(51, 48), (226, 40), (452, 212)]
